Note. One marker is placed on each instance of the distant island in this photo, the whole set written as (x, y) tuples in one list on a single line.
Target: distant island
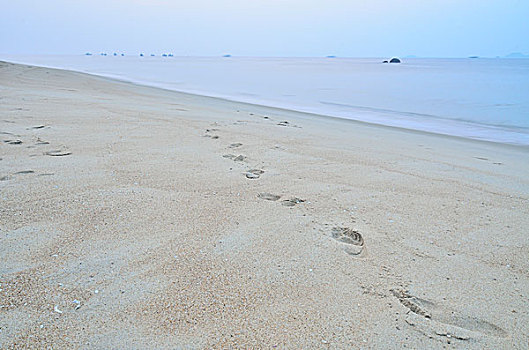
[(392, 60)]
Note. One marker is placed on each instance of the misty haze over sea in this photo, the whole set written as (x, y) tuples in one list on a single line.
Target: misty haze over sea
[(477, 98)]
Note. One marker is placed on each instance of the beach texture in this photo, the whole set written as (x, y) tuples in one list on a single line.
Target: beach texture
[(135, 217)]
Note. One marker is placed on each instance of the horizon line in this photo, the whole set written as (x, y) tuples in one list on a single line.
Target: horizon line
[(168, 55)]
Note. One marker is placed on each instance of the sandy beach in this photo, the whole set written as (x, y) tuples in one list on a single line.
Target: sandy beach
[(133, 217)]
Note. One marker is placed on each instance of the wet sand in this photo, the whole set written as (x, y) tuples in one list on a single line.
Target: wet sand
[(135, 217)]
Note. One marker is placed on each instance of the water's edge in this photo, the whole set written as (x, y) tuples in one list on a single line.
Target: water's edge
[(372, 116)]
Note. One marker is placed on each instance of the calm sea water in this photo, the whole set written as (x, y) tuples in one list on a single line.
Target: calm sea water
[(485, 99)]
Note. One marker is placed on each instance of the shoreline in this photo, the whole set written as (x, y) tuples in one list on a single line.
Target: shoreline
[(443, 126), (134, 217)]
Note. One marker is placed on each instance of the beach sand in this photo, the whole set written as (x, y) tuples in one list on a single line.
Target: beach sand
[(135, 217)]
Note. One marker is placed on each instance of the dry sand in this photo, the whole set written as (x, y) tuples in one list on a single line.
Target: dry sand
[(134, 217)]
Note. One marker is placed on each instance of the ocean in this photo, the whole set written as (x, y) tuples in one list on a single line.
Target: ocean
[(485, 99)]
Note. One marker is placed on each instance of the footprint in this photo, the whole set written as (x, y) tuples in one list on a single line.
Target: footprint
[(13, 142), (285, 123), (448, 317), (40, 142), (214, 137), (254, 173), (353, 239), (239, 158), (292, 202), (407, 301), (485, 159), (58, 153), (347, 235), (235, 145), (37, 127), (268, 196)]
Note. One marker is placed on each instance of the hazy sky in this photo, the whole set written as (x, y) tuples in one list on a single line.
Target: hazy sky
[(368, 28)]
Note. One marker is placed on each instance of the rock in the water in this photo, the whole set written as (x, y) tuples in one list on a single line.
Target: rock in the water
[(394, 60)]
